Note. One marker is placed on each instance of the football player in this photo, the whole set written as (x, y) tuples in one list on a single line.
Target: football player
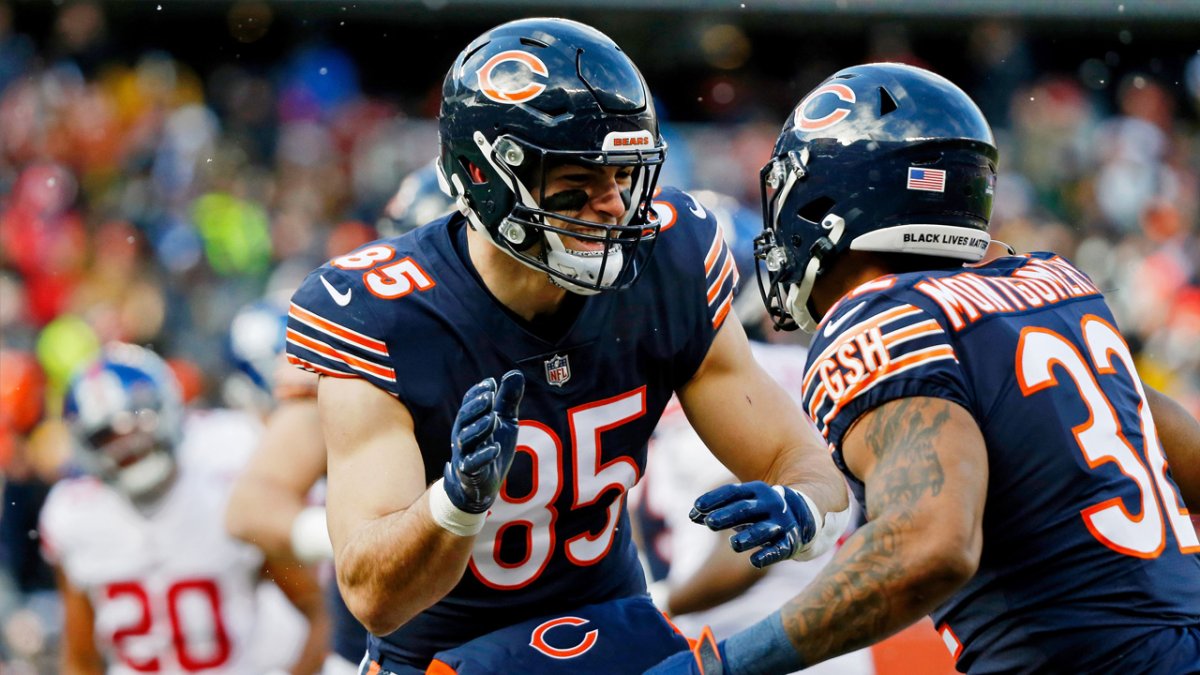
[(150, 580), (947, 381), (493, 535), (269, 504)]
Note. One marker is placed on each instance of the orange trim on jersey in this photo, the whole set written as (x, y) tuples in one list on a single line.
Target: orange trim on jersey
[(894, 368), (715, 289), (326, 326), (374, 668), (722, 312), (350, 360), (916, 330), (849, 334), (920, 329), (880, 284), (318, 369), (666, 224), (714, 251), (440, 668)]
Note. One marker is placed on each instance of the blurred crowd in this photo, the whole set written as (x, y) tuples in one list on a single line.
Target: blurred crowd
[(144, 202)]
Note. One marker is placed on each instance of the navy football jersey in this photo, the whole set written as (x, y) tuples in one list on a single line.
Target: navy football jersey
[(410, 316), (1087, 562)]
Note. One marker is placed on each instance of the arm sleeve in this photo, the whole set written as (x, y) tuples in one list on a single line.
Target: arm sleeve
[(337, 340), (888, 349), (703, 273)]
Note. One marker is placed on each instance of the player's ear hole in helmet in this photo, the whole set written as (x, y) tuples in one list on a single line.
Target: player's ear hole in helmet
[(536, 94), (882, 157), (125, 416)]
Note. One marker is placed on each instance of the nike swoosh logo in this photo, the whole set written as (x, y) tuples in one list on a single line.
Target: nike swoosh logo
[(833, 326), (695, 208), (342, 299)]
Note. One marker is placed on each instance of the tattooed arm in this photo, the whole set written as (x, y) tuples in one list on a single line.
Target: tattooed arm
[(925, 467)]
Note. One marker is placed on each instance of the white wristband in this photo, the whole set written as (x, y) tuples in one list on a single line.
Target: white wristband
[(829, 530), (450, 517), (310, 535)]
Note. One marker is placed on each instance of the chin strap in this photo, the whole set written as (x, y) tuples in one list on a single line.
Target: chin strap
[(798, 294)]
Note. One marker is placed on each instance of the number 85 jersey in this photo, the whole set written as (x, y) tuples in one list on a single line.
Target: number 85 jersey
[(1088, 558), (410, 316)]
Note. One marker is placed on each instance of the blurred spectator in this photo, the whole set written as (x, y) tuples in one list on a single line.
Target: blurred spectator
[(29, 610), (146, 193)]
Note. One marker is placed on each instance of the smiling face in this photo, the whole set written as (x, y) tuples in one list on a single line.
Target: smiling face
[(595, 193)]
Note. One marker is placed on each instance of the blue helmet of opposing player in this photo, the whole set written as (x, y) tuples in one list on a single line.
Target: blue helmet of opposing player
[(880, 157), (125, 415), (256, 339), (533, 94)]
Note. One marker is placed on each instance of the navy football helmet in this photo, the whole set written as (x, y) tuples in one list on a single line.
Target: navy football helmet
[(125, 415), (537, 93), (879, 157)]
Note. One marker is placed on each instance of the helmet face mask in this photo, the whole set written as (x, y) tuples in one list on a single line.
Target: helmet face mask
[(532, 95), (881, 157), (125, 414)]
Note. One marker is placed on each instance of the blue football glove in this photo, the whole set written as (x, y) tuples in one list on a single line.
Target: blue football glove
[(483, 441), (776, 519)]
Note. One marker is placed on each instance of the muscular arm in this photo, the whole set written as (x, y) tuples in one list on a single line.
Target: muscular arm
[(393, 561), (271, 491), (925, 467), (79, 653), (1179, 434), (302, 590), (753, 426)]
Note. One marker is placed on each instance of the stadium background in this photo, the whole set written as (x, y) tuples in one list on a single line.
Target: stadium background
[(164, 163)]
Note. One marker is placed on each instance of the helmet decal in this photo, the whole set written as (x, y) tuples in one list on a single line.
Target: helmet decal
[(806, 123), (510, 89), (628, 139), (929, 180)]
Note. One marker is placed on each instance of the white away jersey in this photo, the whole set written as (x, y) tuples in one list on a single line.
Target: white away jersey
[(171, 591)]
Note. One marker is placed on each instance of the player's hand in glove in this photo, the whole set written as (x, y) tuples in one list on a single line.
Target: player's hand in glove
[(777, 520), (483, 441)]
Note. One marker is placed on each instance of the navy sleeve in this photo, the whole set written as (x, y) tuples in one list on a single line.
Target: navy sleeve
[(701, 272), (873, 349), (332, 331)]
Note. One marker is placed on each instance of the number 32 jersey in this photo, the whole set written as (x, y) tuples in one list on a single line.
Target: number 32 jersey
[(1088, 558), (410, 316)]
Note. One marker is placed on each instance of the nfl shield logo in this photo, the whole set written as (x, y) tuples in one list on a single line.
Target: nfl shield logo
[(558, 370)]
